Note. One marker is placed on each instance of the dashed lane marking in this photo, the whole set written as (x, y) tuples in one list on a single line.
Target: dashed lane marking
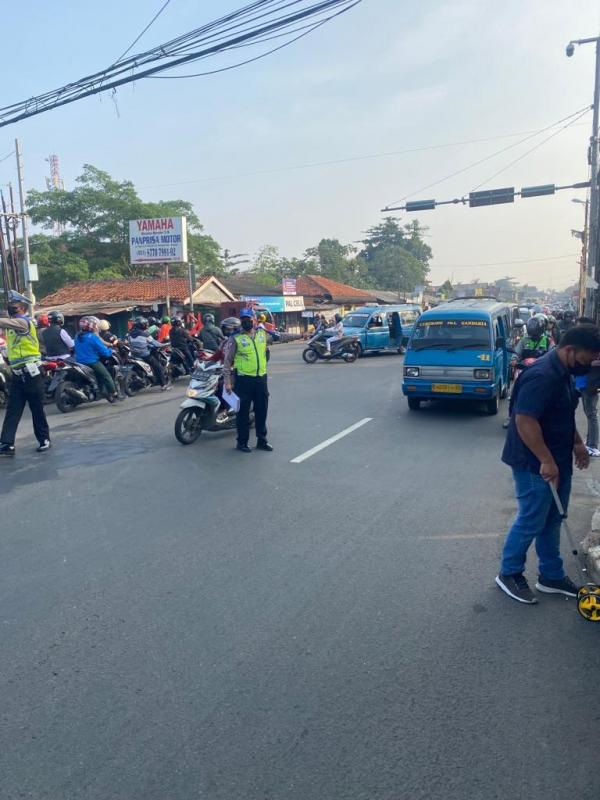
[(314, 450)]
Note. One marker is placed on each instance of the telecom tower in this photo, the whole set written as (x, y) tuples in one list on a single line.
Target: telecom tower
[(55, 183)]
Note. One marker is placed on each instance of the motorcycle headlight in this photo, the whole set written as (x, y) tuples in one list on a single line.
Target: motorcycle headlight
[(482, 374), (192, 393), (411, 372)]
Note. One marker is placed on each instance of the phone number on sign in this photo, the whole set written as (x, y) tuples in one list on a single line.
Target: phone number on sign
[(156, 252)]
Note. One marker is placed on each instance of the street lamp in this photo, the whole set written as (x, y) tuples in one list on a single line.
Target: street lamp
[(591, 300)]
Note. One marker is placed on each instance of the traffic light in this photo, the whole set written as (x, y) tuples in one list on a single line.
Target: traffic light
[(420, 205), (491, 197)]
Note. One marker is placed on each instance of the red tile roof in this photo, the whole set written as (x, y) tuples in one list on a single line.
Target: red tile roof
[(317, 286), (136, 290)]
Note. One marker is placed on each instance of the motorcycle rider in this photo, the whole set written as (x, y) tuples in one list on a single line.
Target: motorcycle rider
[(536, 343), (211, 337), (89, 348), (338, 332), (181, 339), (246, 353), (567, 321), (153, 326), (145, 347), (105, 334), (27, 385), (57, 342), (165, 329)]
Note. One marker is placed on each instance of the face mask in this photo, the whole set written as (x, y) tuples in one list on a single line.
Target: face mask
[(579, 369), (247, 324)]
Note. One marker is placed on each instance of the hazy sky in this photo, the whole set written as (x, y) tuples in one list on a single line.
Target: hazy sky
[(388, 76)]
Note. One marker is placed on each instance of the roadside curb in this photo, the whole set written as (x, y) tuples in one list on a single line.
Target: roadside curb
[(591, 547)]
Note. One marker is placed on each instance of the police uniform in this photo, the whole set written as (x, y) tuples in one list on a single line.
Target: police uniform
[(27, 384), (250, 365)]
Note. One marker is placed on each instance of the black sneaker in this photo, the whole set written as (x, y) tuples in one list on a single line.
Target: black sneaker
[(563, 586), (243, 448), (7, 450), (43, 446), (516, 586), (262, 444)]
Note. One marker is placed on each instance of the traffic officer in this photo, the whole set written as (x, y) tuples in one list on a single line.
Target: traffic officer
[(246, 353), (27, 384)]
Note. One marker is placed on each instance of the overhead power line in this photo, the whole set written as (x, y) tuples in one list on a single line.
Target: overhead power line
[(148, 26), (574, 116), (250, 25), (344, 160), (504, 263), (531, 150)]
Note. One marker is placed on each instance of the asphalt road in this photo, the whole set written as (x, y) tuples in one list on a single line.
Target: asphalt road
[(190, 622)]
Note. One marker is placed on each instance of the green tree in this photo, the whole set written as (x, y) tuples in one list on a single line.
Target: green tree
[(395, 257), (332, 259), (446, 289), (266, 260), (95, 216), (56, 264)]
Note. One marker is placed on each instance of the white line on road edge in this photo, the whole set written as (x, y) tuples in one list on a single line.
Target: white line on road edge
[(299, 459), (445, 536)]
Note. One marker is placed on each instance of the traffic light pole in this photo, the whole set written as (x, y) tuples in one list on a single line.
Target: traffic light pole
[(593, 268)]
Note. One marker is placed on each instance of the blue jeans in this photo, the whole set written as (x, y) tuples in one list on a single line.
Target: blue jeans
[(538, 519)]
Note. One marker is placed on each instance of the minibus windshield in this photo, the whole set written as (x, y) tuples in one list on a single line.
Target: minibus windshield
[(452, 334)]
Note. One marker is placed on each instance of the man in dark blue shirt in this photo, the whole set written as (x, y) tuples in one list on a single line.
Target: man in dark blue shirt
[(541, 443)]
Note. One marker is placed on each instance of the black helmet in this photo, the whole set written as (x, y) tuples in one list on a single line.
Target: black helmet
[(152, 321), (338, 317), (535, 328), (176, 322), (141, 323), (569, 315), (230, 326), (56, 318)]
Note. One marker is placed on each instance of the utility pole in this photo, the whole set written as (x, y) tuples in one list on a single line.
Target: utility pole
[(167, 291), (26, 260), (594, 221), (192, 283), (593, 268)]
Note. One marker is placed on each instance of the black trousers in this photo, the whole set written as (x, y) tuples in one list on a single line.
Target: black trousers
[(251, 391), (25, 390), (157, 367)]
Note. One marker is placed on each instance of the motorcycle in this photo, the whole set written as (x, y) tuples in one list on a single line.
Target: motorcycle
[(48, 369), (347, 348), (4, 381), (74, 383), (138, 373), (204, 408), (516, 368), (177, 363)]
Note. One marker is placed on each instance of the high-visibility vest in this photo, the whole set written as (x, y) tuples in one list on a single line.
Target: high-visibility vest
[(532, 346), (251, 354), (22, 348)]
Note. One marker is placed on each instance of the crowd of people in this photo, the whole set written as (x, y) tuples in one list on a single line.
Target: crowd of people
[(241, 344)]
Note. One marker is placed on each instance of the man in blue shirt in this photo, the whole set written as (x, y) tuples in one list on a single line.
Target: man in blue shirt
[(89, 349), (541, 443)]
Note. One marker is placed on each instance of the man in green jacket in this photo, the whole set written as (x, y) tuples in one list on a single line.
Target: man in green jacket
[(27, 385), (246, 353)]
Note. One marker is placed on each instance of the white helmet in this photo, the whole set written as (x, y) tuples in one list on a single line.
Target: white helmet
[(104, 325)]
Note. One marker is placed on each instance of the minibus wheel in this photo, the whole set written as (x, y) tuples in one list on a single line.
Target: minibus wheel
[(491, 406), (414, 403)]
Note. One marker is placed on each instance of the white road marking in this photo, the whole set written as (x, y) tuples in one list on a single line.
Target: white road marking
[(299, 459), (462, 536)]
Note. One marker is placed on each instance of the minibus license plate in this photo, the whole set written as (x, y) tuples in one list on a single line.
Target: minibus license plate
[(447, 388)]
